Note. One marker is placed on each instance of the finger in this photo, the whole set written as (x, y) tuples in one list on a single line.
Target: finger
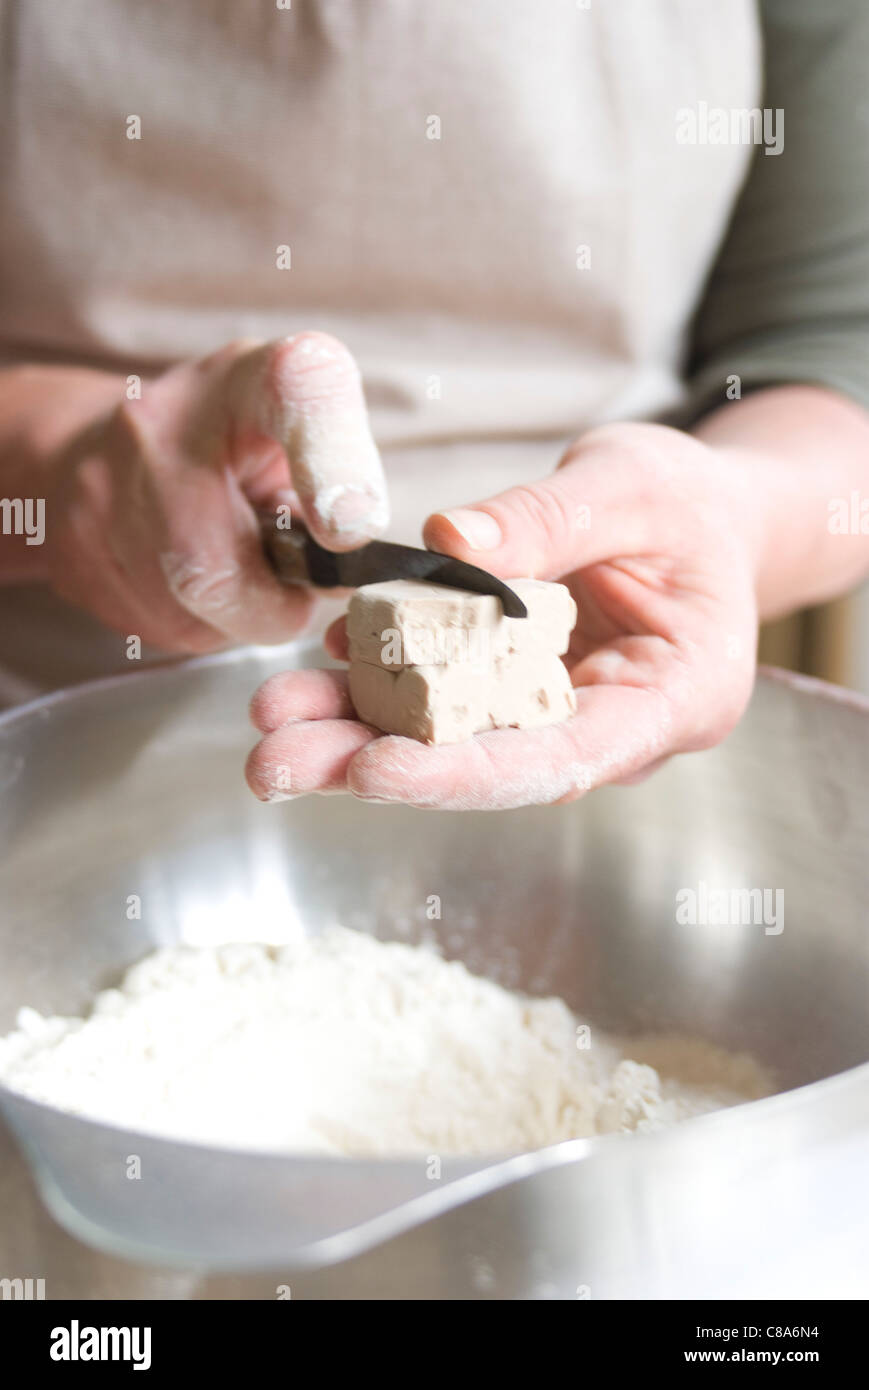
[(300, 758), (605, 499), (214, 565), (336, 641), (97, 584), (615, 732), (295, 695), (305, 392), (92, 573)]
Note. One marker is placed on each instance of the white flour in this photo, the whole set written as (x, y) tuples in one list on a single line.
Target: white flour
[(342, 1044)]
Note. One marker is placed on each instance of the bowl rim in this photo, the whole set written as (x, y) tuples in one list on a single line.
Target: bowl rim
[(812, 686)]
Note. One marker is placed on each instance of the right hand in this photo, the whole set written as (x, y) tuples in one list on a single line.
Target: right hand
[(151, 508)]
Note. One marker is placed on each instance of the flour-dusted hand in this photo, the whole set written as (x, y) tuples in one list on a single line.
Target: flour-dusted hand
[(648, 531), (152, 505)]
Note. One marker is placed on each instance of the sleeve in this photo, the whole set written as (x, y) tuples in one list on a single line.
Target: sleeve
[(788, 299)]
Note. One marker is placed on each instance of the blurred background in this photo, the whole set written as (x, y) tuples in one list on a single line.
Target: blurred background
[(831, 641)]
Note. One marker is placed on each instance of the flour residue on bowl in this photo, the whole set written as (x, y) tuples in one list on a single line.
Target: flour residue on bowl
[(343, 1044)]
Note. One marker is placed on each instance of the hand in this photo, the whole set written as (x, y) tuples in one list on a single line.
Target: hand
[(151, 521), (647, 527)]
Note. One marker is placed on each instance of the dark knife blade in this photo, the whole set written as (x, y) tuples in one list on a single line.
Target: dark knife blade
[(297, 557)]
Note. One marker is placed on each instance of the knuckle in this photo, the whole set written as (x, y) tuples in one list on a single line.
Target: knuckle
[(92, 482), (202, 588), (547, 509), (136, 423), (228, 354), (526, 502), (129, 417), (650, 448), (561, 506), (628, 435)]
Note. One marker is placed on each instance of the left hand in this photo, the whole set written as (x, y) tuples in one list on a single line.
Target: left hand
[(650, 530)]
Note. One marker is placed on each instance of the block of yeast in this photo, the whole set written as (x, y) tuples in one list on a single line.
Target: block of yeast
[(391, 623), (441, 664)]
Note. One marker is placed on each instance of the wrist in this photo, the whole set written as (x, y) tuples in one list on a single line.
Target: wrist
[(748, 499), (790, 452)]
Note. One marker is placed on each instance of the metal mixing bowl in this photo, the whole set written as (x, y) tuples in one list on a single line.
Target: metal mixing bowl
[(134, 786)]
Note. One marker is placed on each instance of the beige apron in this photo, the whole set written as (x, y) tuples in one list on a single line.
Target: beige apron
[(486, 201)]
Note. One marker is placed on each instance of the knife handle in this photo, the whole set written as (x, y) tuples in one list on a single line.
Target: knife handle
[(295, 556)]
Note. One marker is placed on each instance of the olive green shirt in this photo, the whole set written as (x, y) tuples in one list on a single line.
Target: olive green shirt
[(788, 298)]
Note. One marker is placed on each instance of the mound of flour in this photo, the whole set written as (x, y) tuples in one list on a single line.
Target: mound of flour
[(346, 1045)]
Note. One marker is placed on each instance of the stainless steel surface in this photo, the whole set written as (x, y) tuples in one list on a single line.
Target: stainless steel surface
[(134, 787)]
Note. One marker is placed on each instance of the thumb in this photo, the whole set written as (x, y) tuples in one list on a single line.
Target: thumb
[(585, 512)]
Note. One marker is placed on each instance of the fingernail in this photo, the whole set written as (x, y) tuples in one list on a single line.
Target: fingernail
[(477, 529)]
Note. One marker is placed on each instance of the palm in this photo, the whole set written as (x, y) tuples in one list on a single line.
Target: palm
[(661, 656)]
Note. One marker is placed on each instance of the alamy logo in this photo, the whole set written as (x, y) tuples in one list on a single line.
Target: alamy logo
[(76, 1343), (23, 516), (22, 1288), (436, 645), (731, 907), (718, 125), (848, 516)]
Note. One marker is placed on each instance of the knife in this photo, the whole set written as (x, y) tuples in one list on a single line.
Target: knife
[(297, 559)]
